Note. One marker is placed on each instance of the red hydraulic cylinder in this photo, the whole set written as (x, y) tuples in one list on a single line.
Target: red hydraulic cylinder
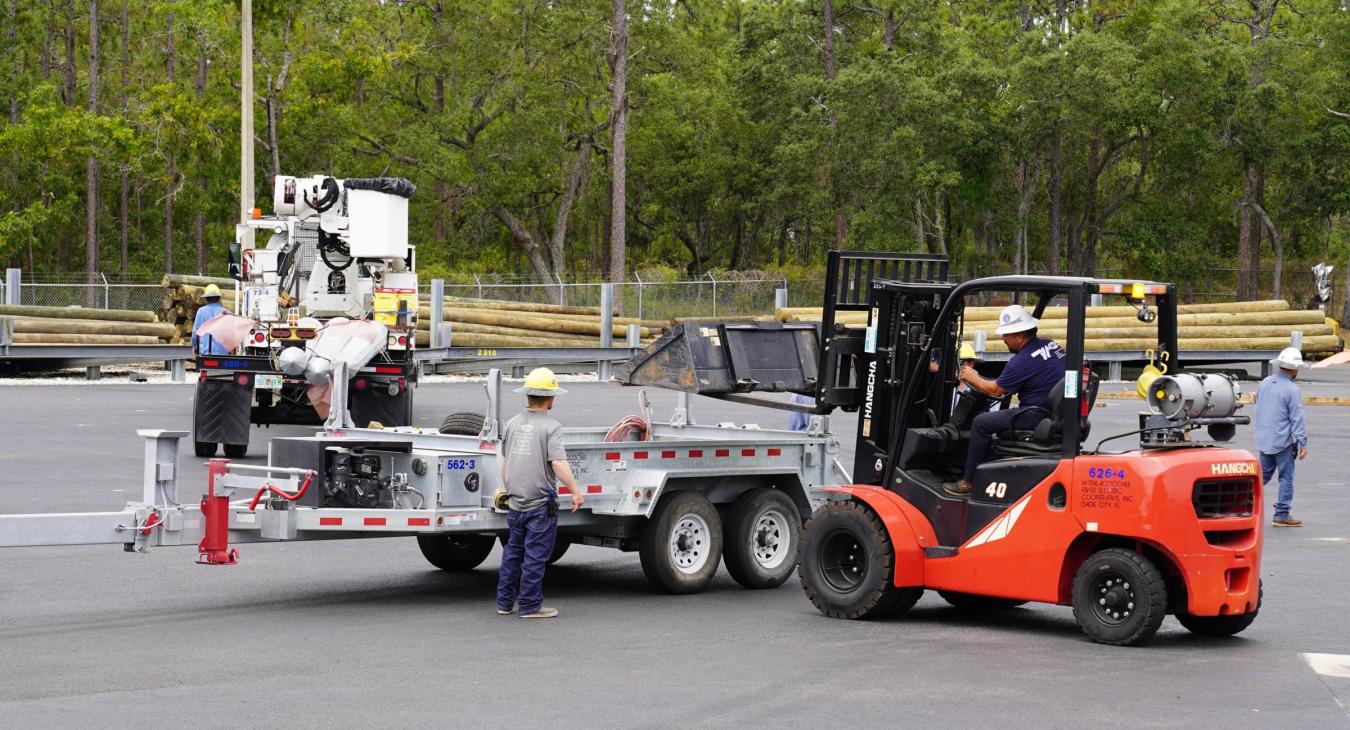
[(214, 548)]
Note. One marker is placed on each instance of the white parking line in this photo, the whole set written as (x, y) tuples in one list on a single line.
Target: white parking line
[(1329, 665)]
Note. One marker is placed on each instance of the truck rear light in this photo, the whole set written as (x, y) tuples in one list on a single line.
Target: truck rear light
[(281, 333), (305, 334), (258, 337), (388, 369), (403, 340), (242, 379), (360, 384), (210, 363)]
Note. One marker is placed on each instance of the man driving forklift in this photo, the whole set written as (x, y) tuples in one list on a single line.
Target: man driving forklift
[(1035, 367)]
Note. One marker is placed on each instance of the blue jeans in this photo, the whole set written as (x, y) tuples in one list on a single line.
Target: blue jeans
[(985, 425), (1282, 461), (524, 558)]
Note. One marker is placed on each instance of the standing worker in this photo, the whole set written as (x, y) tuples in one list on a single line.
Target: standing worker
[(533, 460), (797, 420), (1281, 430), (206, 344)]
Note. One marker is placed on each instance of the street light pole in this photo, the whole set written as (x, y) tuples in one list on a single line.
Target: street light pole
[(246, 119)]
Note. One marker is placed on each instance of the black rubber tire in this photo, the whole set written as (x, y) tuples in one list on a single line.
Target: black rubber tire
[(974, 603), (455, 553), (236, 451), (204, 449), (560, 545), (1136, 586), (462, 423), (1222, 625), (828, 578), (654, 548), (743, 538)]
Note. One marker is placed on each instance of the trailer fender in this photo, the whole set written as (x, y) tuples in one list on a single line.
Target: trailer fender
[(908, 529)]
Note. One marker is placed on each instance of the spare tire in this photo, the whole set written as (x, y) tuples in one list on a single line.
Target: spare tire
[(462, 423)]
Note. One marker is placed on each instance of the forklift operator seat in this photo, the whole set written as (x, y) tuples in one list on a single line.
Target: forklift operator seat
[(1047, 437)]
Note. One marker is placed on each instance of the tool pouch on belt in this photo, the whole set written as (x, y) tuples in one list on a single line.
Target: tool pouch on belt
[(552, 504)]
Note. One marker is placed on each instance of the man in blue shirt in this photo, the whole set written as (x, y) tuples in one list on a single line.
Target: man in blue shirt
[(1035, 367), (798, 421), (1281, 430), (206, 344)]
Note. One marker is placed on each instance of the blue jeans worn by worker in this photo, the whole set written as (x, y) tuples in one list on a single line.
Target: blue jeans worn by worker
[(1283, 461), (524, 558), (985, 425)]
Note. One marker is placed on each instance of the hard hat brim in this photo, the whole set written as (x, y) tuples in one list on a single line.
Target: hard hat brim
[(539, 391), (1288, 365), (1014, 327)]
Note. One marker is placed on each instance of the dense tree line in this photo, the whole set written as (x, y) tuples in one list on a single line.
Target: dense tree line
[(1172, 138)]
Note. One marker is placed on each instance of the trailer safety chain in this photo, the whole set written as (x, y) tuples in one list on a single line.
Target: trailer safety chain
[(269, 487)]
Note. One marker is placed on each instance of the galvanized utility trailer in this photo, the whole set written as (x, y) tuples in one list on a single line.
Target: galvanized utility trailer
[(685, 498)]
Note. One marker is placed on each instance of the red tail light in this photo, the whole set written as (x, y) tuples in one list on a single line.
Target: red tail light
[(305, 334), (210, 363), (242, 379), (388, 369), (281, 333), (259, 337), (403, 340), (360, 383)]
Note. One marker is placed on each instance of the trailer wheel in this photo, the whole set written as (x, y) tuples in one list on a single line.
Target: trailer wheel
[(455, 553), (463, 423), (204, 449), (1119, 597), (763, 538), (560, 545), (972, 602), (1221, 625), (682, 543), (848, 564), (236, 451)]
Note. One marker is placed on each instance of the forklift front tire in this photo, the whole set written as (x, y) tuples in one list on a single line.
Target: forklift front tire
[(1119, 597), (848, 564)]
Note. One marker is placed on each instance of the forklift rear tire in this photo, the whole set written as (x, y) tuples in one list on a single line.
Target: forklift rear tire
[(204, 449), (763, 538), (972, 602), (681, 543), (236, 451), (848, 564), (1221, 625), (455, 553), (1119, 597)]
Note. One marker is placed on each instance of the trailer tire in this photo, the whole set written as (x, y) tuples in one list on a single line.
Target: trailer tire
[(681, 543), (1119, 597), (763, 538), (848, 564), (1221, 625), (455, 553), (204, 449), (975, 603), (236, 451), (463, 423), (560, 545)]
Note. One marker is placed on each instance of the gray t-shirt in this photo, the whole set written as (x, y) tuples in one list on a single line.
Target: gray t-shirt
[(530, 441)]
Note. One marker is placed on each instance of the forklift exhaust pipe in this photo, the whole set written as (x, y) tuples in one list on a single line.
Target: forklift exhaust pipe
[(214, 548)]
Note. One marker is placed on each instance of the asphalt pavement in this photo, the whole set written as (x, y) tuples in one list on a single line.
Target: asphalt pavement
[(365, 632)]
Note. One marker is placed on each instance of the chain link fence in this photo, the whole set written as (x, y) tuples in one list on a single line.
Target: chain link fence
[(103, 291)]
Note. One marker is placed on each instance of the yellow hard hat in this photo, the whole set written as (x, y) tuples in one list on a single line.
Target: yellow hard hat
[(968, 352), (541, 381), (211, 291)]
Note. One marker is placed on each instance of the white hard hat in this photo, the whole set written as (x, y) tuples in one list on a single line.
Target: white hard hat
[(1014, 318), (1290, 359)]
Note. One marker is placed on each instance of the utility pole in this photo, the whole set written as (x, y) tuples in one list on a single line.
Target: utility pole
[(246, 120)]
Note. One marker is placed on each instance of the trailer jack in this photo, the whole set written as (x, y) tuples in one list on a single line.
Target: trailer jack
[(214, 548)]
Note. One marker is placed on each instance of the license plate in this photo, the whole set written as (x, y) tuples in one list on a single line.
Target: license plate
[(267, 382)]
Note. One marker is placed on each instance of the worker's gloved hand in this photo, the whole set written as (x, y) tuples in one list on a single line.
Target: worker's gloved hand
[(500, 500)]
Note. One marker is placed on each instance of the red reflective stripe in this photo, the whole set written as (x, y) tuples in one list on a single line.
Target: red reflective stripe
[(747, 452), (419, 522), (593, 489), (775, 452), (611, 456), (374, 521), (722, 452), (326, 521), (667, 454), (696, 453), (564, 490), (639, 454)]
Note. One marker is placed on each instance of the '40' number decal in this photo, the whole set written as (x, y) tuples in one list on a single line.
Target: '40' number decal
[(1106, 472)]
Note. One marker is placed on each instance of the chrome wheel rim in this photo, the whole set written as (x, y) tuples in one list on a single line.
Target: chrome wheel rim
[(690, 543), (771, 539)]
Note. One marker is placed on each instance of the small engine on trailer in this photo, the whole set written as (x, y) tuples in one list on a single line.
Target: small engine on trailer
[(360, 479)]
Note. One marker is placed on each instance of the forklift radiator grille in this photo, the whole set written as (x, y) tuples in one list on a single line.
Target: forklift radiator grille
[(1224, 498)]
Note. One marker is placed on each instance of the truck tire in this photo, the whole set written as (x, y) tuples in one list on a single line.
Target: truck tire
[(204, 449), (681, 543), (462, 423), (236, 451), (848, 564), (974, 603), (1119, 597), (1221, 625), (763, 538), (455, 553)]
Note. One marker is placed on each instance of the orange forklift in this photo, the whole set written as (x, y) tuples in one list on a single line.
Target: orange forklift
[(1169, 524)]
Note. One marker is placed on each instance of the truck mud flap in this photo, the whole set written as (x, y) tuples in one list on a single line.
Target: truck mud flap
[(220, 411), (373, 403)]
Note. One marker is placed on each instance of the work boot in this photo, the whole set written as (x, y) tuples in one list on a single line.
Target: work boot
[(957, 489), (1287, 522), (505, 611), (544, 612)]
